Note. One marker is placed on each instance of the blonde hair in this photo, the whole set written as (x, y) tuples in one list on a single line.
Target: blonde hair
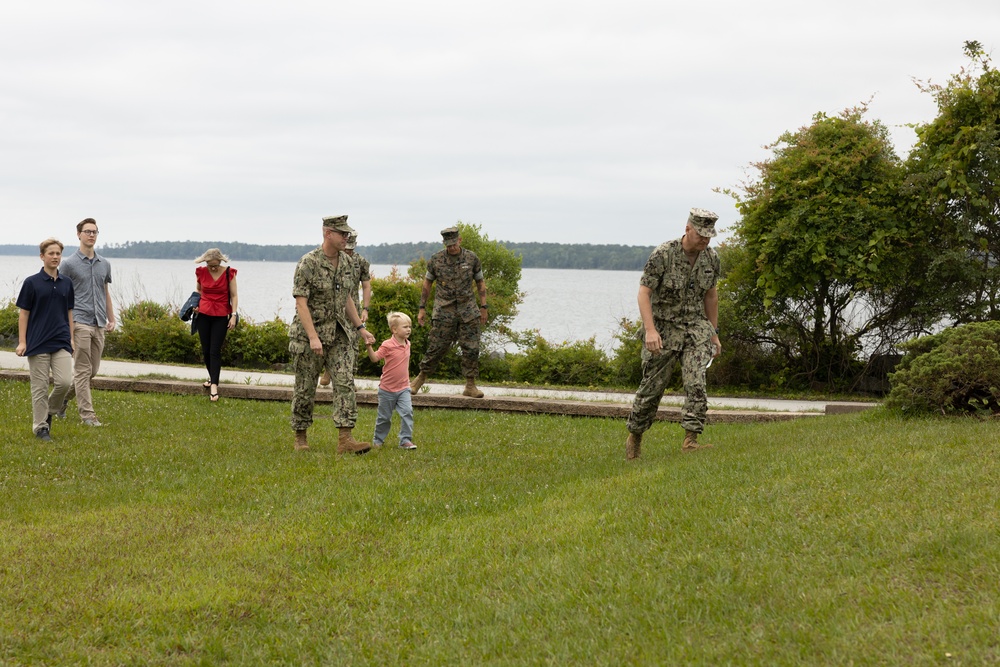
[(212, 253), (44, 245), (395, 317)]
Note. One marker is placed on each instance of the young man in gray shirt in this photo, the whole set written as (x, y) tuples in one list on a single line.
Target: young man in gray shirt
[(92, 316)]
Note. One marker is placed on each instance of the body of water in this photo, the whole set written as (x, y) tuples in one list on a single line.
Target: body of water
[(564, 305)]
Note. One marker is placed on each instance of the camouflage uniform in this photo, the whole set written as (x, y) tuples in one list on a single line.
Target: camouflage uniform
[(364, 275), (327, 289), (456, 313), (678, 302)]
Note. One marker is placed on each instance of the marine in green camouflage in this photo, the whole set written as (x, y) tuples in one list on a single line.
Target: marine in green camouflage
[(326, 290), (678, 299), (456, 315)]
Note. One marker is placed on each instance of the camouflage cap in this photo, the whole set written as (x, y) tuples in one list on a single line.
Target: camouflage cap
[(703, 221), (352, 241), (338, 223), (450, 235)]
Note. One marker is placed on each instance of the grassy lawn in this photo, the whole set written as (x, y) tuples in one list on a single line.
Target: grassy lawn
[(184, 532)]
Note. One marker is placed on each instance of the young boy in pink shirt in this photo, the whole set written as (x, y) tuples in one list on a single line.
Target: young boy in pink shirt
[(394, 388)]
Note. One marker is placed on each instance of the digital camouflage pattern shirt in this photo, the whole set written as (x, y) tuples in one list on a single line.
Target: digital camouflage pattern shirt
[(326, 290), (679, 290), (455, 276), (364, 274)]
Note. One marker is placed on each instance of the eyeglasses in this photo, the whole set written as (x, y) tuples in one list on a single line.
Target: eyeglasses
[(89, 232)]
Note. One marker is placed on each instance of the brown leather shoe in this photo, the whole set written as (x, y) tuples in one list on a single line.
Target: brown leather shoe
[(633, 445)]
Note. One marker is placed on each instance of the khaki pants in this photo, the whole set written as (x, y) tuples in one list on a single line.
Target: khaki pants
[(44, 404), (89, 342)]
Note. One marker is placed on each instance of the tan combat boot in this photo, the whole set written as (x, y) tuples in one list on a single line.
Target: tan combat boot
[(471, 390), (347, 443), (324, 379), (632, 445), (418, 382), (691, 442), (301, 444)]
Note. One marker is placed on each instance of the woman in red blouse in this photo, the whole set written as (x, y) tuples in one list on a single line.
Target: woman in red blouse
[(216, 312)]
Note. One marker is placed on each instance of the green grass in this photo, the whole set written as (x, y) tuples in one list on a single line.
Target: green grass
[(185, 533)]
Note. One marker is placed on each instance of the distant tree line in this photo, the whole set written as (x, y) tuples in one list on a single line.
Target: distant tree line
[(533, 255)]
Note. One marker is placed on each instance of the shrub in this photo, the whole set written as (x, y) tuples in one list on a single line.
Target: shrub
[(579, 363), (152, 332), (256, 345), (8, 322), (954, 372), (626, 364), (145, 310)]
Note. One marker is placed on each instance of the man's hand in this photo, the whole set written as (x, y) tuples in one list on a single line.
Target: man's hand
[(421, 316), (653, 341), (316, 345), (368, 337)]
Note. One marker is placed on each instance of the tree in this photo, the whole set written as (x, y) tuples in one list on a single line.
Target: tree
[(955, 167), (822, 237)]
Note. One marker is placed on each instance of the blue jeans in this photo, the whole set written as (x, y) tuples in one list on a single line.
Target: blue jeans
[(401, 403)]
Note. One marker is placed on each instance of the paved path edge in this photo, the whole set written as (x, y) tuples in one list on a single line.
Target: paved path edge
[(528, 405)]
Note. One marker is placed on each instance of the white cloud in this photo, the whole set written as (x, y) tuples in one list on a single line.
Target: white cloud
[(542, 121)]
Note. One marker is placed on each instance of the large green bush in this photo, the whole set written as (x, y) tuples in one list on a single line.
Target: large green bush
[(149, 331), (8, 322), (256, 345), (579, 363), (954, 372)]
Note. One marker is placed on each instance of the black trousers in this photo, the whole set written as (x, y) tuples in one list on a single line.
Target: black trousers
[(212, 332)]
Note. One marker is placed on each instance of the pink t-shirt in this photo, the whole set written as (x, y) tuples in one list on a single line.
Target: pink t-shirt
[(396, 372)]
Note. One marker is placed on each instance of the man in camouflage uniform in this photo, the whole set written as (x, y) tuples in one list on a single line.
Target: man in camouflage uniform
[(457, 317), (679, 304), (365, 282), (324, 334)]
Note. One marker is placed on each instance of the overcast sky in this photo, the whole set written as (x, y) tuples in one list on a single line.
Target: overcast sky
[(577, 121)]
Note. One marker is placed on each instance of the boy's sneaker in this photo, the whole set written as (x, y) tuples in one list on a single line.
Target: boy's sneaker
[(92, 422), (407, 445), (43, 434), (376, 444)]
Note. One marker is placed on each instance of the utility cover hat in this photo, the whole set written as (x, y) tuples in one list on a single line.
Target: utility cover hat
[(450, 235), (703, 221), (352, 241), (338, 223)]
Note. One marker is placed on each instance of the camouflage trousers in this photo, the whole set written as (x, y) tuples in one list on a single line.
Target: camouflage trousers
[(447, 328), (656, 372), (340, 358)]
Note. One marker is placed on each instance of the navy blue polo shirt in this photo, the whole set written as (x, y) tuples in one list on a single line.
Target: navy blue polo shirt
[(48, 302)]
